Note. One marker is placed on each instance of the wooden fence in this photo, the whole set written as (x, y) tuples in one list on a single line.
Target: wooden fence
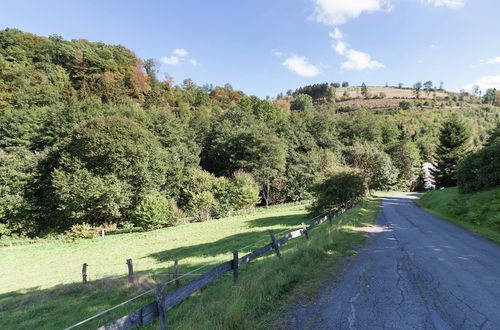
[(164, 302)]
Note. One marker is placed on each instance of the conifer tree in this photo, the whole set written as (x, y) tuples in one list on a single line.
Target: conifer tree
[(454, 142)]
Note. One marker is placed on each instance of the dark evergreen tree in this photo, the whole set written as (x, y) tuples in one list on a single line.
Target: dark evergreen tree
[(454, 142)]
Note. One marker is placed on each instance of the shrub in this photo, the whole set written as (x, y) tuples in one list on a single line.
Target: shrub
[(480, 170), (154, 211), (244, 191), (82, 230), (405, 105), (338, 189)]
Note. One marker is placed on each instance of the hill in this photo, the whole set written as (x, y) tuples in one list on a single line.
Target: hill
[(392, 92), (91, 138)]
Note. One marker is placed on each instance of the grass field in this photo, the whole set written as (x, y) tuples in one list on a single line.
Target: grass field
[(390, 92), (40, 285), (479, 212)]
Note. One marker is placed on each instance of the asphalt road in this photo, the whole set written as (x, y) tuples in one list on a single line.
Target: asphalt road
[(420, 272)]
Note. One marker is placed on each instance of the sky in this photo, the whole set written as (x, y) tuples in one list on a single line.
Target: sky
[(265, 47)]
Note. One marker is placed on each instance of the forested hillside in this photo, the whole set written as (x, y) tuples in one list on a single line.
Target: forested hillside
[(90, 134)]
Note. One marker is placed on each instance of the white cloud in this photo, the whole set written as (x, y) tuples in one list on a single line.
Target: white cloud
[(194, 62), (359, 61), (301, 66), (433, 46), (356, 60), (170, 60), (493, 60), (337, 12), (341, 47), (277, 52), (180, 52), (485, 82), (336, 34), (454, 4)]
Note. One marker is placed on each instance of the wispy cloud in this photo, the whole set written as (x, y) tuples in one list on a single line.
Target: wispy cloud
[(485, 83), (337, 12), (493, 60), (454, 4), (301, 66), (194, 62), (277, 52), (180, 52), (169, 60), (178, 56), (356, 60)]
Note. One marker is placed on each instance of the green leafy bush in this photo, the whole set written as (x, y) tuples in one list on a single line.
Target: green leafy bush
[(154, 211), (480, 170), (81, 231), (338, 189), (405, 105)]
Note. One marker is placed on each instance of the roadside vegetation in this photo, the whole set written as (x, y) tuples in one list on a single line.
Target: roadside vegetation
[(478, 212), (39, 290), (475, 201)]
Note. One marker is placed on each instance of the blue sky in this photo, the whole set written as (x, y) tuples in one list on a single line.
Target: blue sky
[(264, 47)]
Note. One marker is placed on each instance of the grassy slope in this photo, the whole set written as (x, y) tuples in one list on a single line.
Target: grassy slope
[(39, 284), (479, 212)]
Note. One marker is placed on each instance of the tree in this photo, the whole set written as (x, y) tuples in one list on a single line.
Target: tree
[(400, 85), (476, 90), (364, 90), (345, 84), (454, 141), (302, 102), (105, 167), (336, 85), (490, 97), (480, 170), (417, 87), (428, 87), (441, 85)]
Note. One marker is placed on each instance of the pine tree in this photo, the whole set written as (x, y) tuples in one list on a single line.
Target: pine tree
[(454, 142)]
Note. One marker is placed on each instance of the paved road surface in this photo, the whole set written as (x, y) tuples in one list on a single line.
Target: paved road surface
[(421, 272)]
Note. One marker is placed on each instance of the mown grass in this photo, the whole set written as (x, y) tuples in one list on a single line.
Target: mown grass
[(478, 212), (40, 287)]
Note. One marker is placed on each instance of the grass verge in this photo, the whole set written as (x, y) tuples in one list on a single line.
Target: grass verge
[(40, 286), (478, 212)]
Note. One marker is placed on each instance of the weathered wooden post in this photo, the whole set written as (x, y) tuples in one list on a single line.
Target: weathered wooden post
[(304, 230), (103, 232), (130, 266), (162, 313), (235, 266), (275, 244), (84, 273), (176, 272)]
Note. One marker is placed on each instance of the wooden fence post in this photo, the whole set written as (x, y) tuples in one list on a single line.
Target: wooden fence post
[(330, 216), (130, 270), (235, 265), (176, 271), (304, 230), (84, 273), (275, 244), (162, 313)]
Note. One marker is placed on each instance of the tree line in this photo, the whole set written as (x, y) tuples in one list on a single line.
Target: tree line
[(89, 134)]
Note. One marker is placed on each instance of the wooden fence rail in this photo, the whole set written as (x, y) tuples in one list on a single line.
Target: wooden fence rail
[(164, 302)]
